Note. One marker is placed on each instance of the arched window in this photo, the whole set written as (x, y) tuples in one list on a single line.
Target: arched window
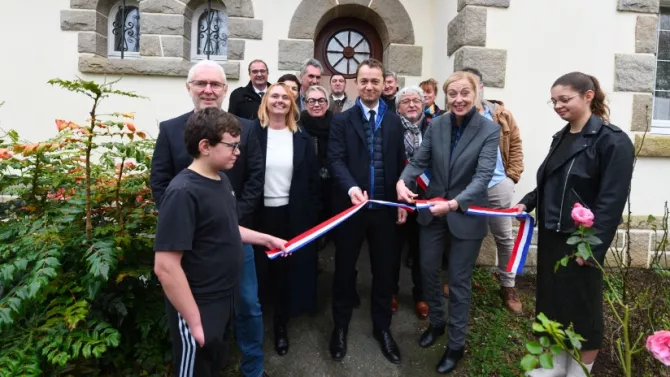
[(343, 43), (124, 30), (209, 37)]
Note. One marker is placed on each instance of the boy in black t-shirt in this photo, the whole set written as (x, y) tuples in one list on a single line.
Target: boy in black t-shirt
[(198, 245)]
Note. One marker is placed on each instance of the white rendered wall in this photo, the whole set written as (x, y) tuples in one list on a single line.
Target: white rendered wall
[(573, 35)]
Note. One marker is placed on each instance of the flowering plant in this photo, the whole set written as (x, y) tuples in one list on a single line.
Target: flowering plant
[(626, 347), (659, 346)]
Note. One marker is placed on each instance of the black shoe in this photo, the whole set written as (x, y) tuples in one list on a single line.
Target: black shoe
[(265, 374), (389, 346), (281, 339), (338, 343), (430, 335), (449, 360)]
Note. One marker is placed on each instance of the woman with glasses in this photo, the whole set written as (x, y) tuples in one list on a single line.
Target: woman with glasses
[(290, 207), (590, 162), (316, 121)]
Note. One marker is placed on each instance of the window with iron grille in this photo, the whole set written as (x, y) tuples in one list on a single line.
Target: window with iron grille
[(209, 37), (661, 117), (124, 30)]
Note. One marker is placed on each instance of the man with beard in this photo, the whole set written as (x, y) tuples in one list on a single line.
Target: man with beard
[(244, 101), (366, 155), (207, 86)]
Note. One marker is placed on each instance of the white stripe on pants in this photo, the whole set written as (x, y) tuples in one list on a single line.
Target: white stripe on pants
[(187, 349)]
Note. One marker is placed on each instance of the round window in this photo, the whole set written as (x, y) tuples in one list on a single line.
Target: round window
[(345, 50)]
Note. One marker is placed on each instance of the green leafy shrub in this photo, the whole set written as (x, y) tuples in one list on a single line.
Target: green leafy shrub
[(77, 293)]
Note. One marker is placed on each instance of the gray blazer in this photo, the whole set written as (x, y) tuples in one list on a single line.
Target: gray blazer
[(464, 177)]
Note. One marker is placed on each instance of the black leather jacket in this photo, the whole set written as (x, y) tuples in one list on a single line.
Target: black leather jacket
[(596, 173)]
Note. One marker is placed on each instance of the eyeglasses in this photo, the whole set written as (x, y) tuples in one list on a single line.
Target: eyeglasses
[(215, 85), (257, 71), (312, 101), (233, 146), (563, 101), (408, 101)]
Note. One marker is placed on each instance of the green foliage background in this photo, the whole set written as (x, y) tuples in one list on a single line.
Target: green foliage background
[(77, 294)]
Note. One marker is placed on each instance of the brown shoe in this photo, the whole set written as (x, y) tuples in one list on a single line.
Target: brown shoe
[(421, 310), (445, 290), (511, 300), (394, 304)]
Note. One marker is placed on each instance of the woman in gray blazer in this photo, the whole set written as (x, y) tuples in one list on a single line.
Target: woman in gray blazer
[(460, 149)]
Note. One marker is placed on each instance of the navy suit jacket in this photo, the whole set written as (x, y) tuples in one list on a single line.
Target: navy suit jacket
[(303, 197), (349, 155), (247, 176)]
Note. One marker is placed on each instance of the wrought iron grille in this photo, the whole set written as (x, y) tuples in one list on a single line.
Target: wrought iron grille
[(212, 36), (126, 29)]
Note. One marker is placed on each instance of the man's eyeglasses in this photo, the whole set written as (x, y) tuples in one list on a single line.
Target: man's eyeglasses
[(257, 71), (233, 146), (215, 85), (563, 100), (320, 101), (408, 101)]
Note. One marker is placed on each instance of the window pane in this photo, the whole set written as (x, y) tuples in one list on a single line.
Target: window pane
[(665, 18), (662, 106), (355, 38), (334, 57), (363, 47), (663, 76), (334, 46), (213, 33), (126, 29), (664, 45), (341, 66)]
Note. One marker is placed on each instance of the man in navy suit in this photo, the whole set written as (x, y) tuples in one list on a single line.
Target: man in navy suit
[(366, 154), (206, 84)]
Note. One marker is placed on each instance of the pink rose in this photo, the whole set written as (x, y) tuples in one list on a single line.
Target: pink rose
[(582, 216), (659, 346)]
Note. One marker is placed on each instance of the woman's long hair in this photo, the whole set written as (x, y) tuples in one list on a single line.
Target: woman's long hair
[(582, 83), (292, 115)]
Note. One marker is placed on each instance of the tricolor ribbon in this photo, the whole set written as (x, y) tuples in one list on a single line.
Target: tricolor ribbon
[(516, 261)]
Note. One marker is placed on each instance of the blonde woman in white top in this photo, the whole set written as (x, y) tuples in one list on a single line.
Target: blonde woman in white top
[(290, 206)]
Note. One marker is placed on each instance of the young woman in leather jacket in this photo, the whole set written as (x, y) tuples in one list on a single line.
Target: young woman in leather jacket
[(590, 162)]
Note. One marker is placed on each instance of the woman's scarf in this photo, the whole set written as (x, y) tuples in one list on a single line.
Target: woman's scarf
[(412, 135), (319, 130)]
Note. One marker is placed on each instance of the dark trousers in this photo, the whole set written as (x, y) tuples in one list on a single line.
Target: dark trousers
[(273, 274), (378, 227), (189, 358), (462, 260), (408, 233)]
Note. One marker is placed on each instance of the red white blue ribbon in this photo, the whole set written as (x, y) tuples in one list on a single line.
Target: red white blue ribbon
[(517, 259)]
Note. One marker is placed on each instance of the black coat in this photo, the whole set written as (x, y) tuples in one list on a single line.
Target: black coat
[(303, 198), (596, 173), (247, 175), (244, 102), (349, 157)]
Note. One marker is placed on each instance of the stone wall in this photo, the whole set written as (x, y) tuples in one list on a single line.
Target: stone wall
[(166, 40), (636, 73), (466, 38)]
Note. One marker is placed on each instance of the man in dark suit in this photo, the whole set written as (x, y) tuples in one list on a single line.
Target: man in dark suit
[(244, 101), (206, 84), (366, 154)]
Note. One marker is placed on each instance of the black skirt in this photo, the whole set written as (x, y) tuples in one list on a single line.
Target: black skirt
[(288, 284), (571, 295)]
